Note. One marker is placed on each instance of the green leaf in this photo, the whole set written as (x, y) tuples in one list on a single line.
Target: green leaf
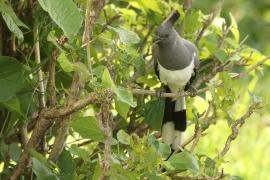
[(150, 4), (125, 96), (11, 78), (11, 20), (164, 150), (14, 152), (66, 65), (221, 55), (122, 108), (88, 128), (65, 14), (126, 36), (14, 106), (83, 71), (39, 157), (210, 167), (184, 161), (82, 153), (123, 137), (191, 22), (97, 172), (154, 113), (234, 28), (67, 170), (41, 171), (107, 80)]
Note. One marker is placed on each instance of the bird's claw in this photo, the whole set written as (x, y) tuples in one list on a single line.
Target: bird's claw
[(159, 91), (193, 91)]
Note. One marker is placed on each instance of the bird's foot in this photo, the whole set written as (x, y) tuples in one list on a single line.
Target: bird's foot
[(192, 90), (160, 91)]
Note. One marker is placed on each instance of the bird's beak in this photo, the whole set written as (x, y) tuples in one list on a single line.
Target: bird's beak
[(156, 39)]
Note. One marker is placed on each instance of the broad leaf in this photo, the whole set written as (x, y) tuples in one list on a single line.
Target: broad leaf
[(122, 108), (11, 78), (64, 62), (65, 14), (234, 28), (184, 161), (123, 137), (107, 80), (67, 170), (126, 36), (14, 106), (12, 21), (150, 4), (88, 128), (41, 171), (82, 153), (125, 96), (154, 113)]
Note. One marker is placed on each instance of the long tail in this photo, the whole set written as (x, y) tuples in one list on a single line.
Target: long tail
[(174, 121)]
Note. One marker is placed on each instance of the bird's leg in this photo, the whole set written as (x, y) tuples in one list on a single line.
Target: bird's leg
[(191, 89), (160, 90)]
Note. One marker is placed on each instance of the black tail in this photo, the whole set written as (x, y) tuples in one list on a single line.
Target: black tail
[(179, 118)]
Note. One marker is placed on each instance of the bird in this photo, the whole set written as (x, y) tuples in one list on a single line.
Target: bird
[(176, 63)]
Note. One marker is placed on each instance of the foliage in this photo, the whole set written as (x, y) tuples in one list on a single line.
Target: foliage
[(120, 59)]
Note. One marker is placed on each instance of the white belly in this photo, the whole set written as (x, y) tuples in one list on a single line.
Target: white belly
[(177, 79)]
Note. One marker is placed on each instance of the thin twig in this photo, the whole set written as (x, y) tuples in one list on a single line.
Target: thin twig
[(259, 63), (198, 129), (42, 101), (235, 128), (206, 24), (51, 82)]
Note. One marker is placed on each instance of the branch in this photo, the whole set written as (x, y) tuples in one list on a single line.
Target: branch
[(92, 98), (259, 63), (187, 5), (109, 22), (51, 82), (104, 123), (235, 128), (206, 24), (62, 133), (39, 131), (45, 121), (42, 101), (93, 10)]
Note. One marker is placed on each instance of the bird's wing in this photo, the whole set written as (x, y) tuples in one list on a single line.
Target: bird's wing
[(155, 58)]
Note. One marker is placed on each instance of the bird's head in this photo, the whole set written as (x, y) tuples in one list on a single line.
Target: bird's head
[(166, 32)]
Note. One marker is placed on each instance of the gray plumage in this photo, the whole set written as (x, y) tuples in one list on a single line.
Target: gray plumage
[(176, 62), (172, 51)]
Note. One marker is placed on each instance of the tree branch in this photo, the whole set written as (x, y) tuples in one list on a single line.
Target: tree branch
[(104, 123), (235, 128), (62, 133), (206, 24), (45, 121)]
